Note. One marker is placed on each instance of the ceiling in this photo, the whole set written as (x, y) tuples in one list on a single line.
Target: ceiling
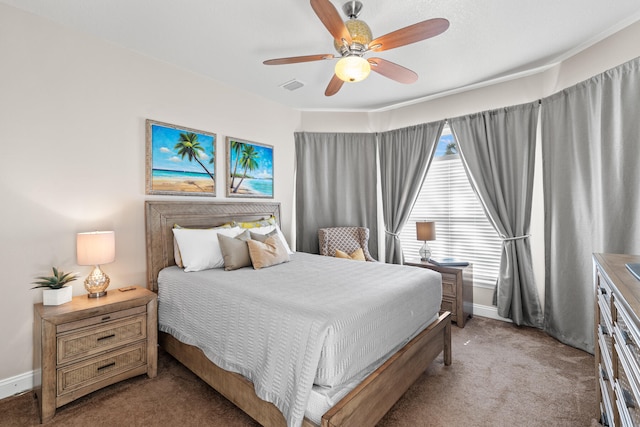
[(487, 41)]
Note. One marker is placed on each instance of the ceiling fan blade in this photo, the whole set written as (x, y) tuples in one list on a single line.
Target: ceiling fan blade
[(334, 86), (392, 70), (296, 59), (411, 34), (331, 19)]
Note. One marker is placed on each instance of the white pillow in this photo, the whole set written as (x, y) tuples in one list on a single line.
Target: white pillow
[(268, 229), (200, 249)]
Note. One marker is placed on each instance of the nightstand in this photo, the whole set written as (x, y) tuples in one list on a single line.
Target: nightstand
[(457, 289), (89, 343)]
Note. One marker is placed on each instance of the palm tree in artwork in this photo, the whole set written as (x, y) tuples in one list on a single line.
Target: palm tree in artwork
[(236, 148), (248, 161), (188, 145)]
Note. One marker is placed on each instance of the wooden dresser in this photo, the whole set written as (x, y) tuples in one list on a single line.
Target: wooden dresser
[(457, 289), (89, 343), (617, 340)]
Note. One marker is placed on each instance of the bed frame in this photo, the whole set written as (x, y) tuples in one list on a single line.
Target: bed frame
[(363, 406)]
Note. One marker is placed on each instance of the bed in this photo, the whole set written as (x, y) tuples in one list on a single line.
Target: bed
[(369, 398)]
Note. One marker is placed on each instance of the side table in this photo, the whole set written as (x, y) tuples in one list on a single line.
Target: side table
[(89, 343), (457, 289)]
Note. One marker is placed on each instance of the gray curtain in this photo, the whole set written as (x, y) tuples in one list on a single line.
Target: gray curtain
[(591, 169), (498, 151), (405, 155), (335, 185)]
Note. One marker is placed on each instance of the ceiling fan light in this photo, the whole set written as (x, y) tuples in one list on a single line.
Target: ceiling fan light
[(352, 69)]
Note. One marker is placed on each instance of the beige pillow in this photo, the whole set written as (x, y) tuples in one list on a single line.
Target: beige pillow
[(357, 255), (262, 237), (267, 253), (235, 251)]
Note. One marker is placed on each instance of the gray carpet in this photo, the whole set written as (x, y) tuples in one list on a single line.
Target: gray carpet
[(501, 375)]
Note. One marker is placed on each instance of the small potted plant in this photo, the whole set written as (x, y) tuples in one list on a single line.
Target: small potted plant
[(56, 292)]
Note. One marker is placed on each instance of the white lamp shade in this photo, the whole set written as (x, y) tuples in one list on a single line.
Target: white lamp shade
[(95, 248)]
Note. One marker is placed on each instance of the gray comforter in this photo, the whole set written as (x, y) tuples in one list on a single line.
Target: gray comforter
[(312, 320)]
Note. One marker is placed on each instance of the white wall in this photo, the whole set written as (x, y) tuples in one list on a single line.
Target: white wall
[(72, 111), (72, 129)]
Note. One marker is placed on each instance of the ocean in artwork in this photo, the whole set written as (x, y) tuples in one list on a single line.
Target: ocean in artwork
[(259, 186), (163, 173)]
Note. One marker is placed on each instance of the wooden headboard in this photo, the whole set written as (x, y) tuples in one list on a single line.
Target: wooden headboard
[(160, 217)]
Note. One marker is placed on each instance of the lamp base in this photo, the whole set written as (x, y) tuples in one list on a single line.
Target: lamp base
[(97, 283), (97, 294), (425, 252)]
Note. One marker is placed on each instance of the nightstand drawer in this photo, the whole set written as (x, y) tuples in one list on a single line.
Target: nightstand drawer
[(448, 305), (96, 320), (449, 282), (88, 341), (101, 368)]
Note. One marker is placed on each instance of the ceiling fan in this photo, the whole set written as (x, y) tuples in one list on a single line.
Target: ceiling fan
[(353, 39)]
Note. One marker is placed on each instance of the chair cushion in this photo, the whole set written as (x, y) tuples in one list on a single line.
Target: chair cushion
[(357, 255)]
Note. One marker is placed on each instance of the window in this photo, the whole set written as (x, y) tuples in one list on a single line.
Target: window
[(462, 228)]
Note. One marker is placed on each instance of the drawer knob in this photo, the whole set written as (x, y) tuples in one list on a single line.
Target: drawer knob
[(106, 337), (106, 318)]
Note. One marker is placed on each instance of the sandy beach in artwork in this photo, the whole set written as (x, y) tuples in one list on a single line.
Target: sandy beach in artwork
[(189, 185)]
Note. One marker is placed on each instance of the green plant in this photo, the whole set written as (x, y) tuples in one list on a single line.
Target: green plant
[(58, 280)]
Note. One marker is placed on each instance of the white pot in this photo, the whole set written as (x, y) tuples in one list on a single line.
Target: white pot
[(57, 296)]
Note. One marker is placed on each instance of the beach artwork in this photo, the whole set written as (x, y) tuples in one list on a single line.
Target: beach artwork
[(180, 161), (250, 169)]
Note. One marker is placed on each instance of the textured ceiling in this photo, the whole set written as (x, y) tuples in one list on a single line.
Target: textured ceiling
[(228, 40)]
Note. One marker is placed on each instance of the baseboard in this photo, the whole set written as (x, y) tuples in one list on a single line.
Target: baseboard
[(488, 311), (16, 385)]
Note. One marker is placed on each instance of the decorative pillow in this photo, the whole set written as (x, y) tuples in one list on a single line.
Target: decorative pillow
[(235, 251), (262, 237), (267, 230), (357, 255), (255, 224), (176, 249), (265, 254), (199, 248)]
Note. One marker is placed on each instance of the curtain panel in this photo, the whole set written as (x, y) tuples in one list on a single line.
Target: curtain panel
[(591, 173), (405, 155), (498, 152), (335, 185)]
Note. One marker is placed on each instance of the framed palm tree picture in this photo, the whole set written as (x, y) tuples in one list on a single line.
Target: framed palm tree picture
[(180, 161), (250, 169)]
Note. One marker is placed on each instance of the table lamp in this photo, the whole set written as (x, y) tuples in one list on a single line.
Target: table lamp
[(425, 230), (95, 248)]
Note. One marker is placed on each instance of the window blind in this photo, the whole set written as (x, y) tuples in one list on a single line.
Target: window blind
[(462, 228)]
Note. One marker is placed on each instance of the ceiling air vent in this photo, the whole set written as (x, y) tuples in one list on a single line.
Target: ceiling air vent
[(292, 85)]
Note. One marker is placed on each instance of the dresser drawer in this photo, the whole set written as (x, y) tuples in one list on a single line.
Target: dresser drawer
[(449, 285), (101, 368), (605, 342), (628, 339), (604, 304), (88, 341), (606, 388)]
